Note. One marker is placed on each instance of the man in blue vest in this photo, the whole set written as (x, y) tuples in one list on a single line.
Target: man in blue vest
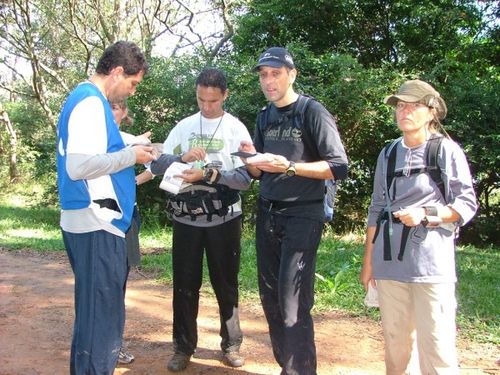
[(96, 184)]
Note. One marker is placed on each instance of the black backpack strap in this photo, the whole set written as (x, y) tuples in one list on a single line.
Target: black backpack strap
[(390, 154), (404, 239), (263, 118), (387, 236), (432, 155), (387, 242), (298, 118), (390, 166), (299, 112)]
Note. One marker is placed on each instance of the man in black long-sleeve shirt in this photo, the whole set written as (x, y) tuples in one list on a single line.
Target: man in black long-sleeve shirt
[(297, 161)]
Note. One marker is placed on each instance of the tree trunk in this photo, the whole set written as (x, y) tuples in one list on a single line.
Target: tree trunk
[(13, 171)]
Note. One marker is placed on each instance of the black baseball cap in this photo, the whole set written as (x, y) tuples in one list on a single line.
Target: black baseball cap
[(275, 57)]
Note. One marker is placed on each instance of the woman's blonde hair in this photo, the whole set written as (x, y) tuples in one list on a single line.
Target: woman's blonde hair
[(436, 124), (127, 120)]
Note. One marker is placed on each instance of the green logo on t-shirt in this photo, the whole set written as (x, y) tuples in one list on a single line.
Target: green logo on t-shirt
[(208, 143)]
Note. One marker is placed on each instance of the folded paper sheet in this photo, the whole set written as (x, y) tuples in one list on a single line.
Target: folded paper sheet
[(171, 182)]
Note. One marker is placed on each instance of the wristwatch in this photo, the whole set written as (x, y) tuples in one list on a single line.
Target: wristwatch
[(291, 171), (431, 210), (431, 218)]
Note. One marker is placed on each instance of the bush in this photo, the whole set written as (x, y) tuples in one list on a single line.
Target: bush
[(351, 92)]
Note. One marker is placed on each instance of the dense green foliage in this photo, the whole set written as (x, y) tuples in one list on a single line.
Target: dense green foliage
[(403, 32), (24, 224), (350, 54), (452, 44)]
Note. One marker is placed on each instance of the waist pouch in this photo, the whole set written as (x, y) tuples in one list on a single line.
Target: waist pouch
[(202, 199)]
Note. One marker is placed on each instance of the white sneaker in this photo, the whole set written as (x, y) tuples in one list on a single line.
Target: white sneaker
[(124, 357)]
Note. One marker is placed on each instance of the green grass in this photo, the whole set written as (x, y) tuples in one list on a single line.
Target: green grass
[(337, 271), (479, 293), (25, 223)]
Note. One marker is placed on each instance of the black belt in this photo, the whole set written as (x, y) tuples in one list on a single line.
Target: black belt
[(278, 205), (108, 203), (384, 216)]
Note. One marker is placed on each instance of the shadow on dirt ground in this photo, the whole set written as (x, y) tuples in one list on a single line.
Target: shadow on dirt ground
[(36, 316)]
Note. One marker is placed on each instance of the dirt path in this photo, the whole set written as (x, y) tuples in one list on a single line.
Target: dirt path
[(36, 315)]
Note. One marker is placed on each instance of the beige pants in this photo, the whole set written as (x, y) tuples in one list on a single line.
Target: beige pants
[(421, 314)]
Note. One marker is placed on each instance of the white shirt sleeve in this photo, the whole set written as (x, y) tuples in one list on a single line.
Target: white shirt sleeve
[(172, 141), (87, 128)]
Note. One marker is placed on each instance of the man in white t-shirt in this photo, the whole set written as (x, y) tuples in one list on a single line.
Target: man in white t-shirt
[(208, 218)]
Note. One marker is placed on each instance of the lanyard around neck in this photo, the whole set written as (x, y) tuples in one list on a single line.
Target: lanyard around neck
[(213, 134)]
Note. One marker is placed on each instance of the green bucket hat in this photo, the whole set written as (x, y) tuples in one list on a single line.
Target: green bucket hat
[(417, 91)]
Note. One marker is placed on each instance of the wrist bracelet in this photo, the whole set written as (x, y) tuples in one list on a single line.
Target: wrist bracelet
[(216, 176), (211, 175), (207, 175)]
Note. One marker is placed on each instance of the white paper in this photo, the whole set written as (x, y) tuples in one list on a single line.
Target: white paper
[(142, 140), (170, 182), (133, 140), (259, 158), (371, 298)]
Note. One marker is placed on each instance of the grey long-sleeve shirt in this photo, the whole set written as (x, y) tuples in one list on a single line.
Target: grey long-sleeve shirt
[(430, 253), (237, 179)]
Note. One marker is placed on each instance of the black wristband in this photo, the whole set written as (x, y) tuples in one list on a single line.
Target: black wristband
[(211, 175), (207, 175)]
